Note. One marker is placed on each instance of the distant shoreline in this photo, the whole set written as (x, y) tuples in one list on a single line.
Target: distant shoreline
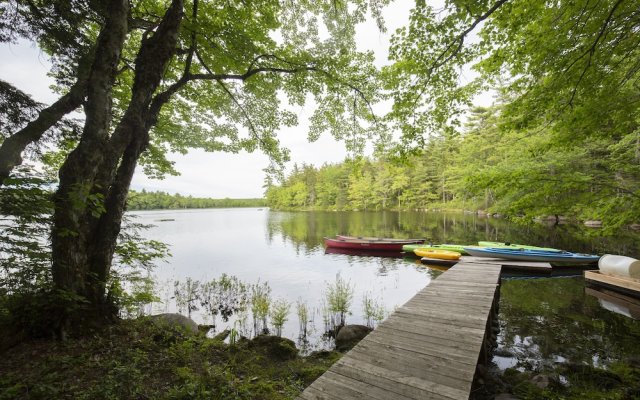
[(143, 200)]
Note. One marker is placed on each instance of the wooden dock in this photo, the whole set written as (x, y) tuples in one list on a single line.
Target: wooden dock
[(537, 267), (426, 349), (622, 284)]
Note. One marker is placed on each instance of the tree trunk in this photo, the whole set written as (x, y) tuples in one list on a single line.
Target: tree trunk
[(95, 179), (76, 205)]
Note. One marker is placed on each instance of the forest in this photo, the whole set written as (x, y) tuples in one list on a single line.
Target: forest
[(159, 200), (479, 169)]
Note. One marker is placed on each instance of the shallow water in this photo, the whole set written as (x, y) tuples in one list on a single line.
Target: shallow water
[(543, 321)]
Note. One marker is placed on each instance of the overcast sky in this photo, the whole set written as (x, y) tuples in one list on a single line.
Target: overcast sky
[(214, 175)]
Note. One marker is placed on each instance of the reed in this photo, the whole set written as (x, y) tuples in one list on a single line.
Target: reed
[(278, 313), (186, 295), (372, 309), (303, 316), (225, 296), (326, 316), (241, 322), (234, 335), (260, 301), (339, 296)]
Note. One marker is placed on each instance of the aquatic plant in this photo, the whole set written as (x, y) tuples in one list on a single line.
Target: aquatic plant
[(234, 335), (260, 301), (186, 295), (241, 322), (372, 309), (326, 315), (278, 313), (226, 296), (303, 316), (339, 296)]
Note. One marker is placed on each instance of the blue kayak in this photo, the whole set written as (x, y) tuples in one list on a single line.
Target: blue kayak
[(533, 255)]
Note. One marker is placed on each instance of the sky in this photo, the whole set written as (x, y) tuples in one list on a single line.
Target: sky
[(215, 175)]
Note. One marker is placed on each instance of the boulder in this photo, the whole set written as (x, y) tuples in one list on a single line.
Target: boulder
[(349, 335), (276, 347), (542, 381), (176, 320), (593, 224)]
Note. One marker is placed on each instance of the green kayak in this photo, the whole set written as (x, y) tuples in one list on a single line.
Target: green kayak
[(501, 245), (409, 248)]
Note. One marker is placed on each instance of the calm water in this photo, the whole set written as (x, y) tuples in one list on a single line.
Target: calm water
[(542, 320)]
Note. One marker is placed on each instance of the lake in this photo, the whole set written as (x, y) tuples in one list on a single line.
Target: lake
[(543, 321)]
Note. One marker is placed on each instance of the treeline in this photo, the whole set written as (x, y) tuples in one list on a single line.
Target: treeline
[(160, 200), (489, 165)]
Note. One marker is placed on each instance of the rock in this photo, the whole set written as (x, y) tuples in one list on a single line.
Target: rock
[(541, 381), (606, 379), (502, 352), (176, 320), (349, 335), (222, 336), (593, 224), (275, 346), (635, 227), (206, 328), (633, 361)]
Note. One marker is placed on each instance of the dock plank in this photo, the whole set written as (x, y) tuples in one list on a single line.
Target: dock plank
[(427, 349)]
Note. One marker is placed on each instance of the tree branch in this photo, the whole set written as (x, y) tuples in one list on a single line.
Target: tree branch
[(458, 41), (12, 148), (592, 49)]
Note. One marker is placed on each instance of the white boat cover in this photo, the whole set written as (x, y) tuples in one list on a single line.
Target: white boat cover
[(611, 264)]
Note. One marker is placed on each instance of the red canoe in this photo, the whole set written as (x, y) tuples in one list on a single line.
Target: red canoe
[(375, 245)]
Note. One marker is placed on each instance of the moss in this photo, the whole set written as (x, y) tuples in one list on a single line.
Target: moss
[(620, 380), (132, 359)]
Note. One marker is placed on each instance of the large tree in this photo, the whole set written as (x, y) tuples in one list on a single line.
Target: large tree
[(567, 74), (155, 76)]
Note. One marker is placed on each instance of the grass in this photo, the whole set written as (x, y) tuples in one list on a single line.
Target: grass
[(279, 314), (135, 359), (339, 297), (303, 316), (372, 309), (260, 303)]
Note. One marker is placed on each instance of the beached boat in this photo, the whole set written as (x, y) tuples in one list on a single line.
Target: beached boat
[(409, 248), (371, 245), (563, 257), (437, 254), (379, 239), (507, 245)]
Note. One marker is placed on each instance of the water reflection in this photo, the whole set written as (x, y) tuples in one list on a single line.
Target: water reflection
[(308, 229), (283, 249), (616, 302), (546, 321), (363, 253)]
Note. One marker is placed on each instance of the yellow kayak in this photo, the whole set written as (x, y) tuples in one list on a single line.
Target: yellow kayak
[(439, 254)]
